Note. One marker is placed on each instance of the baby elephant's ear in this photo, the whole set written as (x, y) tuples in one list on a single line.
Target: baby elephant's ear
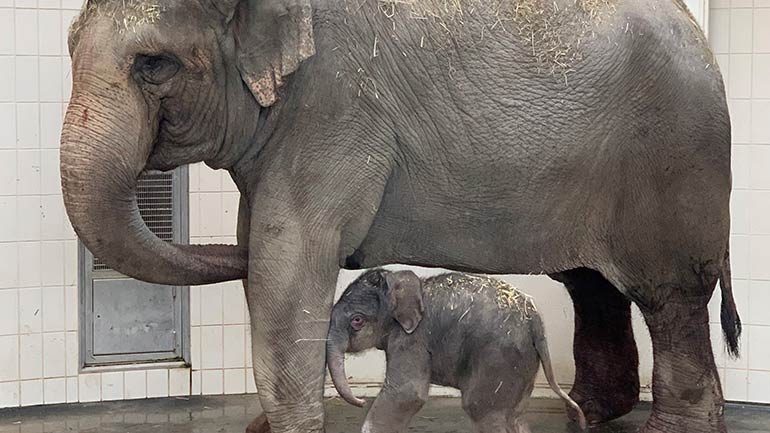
[(405, 299)]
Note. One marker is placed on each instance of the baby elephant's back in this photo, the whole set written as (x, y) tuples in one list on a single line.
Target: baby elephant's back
[(487, 323), (479, 299), (481, 312)]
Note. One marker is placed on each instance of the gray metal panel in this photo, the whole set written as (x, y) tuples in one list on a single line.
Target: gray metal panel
[(125, 321), (130, 316)]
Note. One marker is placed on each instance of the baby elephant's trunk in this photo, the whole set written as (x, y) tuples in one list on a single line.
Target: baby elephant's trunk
[(335, 359), (541, 345)]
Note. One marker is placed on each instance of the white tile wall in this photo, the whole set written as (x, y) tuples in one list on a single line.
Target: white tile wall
[(212, 382), (157, 383), (38, 249), (179, 382), (31, 356), (72, 390), (135, 384), (235, 381), (112, 385), (55, 390), (31, 392), (33, 284), (90, 387), (9, 394), (218, 313), (740, 39)]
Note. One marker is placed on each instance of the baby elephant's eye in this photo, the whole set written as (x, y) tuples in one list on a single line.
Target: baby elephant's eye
[(357, 322)]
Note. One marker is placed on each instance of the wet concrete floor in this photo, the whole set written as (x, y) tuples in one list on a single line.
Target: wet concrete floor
[(230, 414)]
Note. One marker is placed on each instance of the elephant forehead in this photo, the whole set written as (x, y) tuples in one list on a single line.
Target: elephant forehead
[(358, 295), (127, 15)]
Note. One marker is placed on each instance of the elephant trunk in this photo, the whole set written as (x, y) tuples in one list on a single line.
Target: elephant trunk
[(335, 359), (106, 140)]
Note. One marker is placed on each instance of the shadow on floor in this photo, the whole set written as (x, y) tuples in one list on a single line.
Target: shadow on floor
[(231, 414)]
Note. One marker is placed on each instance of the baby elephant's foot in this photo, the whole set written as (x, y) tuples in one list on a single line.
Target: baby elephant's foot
[(259, 425), (521, 427), (599, 409)]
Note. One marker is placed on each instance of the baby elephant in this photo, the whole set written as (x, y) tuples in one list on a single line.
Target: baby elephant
[(469, 332)]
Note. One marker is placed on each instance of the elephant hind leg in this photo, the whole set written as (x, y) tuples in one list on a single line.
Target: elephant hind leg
[(687, 395), (606, 359)]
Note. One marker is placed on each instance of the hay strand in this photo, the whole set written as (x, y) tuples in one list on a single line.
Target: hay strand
[(553, 33), (127, 15)]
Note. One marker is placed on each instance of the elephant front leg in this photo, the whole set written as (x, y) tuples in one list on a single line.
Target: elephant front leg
[(687, 395), (606, 359), (292, 277), (259, 424)]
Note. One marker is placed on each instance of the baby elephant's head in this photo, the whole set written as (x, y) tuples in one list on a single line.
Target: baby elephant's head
[(371, 307)]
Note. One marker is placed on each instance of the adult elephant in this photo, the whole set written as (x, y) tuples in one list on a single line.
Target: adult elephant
[(584, 139)]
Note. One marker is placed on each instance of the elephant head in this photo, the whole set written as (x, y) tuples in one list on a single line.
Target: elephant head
[(157, 85), (372, 307)]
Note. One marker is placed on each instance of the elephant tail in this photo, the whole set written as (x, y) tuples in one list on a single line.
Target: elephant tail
[(541, 345), (731, 321)]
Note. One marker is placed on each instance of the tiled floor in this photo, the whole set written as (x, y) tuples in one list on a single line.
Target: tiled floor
[(231, 414)]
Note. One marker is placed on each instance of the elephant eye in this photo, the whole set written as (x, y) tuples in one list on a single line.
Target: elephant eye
[(156, 69), (357, 322)]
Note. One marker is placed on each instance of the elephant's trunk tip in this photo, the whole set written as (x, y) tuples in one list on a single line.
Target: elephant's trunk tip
[(355, 401)]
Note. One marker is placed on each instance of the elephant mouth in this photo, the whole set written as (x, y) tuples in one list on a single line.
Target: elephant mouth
[(159, 163)]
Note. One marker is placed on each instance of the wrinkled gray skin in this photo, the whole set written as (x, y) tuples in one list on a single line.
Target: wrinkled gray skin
[(358, 137), (468, 332)]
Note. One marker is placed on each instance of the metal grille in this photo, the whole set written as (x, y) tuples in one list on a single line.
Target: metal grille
[(155, 197)]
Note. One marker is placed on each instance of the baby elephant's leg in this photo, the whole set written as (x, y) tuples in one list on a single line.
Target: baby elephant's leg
[(495, 397), (520, 426), (494, 422), (394, 408), (405, 391), (499, 420)]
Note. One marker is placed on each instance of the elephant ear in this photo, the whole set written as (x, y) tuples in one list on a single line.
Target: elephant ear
[(272, 38), (404, 298)]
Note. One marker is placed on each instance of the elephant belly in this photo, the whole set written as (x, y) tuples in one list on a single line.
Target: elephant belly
[(499, 243)]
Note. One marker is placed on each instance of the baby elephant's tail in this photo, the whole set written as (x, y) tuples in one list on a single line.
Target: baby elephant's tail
[(541, 345)]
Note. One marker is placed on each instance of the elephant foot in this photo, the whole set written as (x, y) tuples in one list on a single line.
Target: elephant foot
[(259, 425), (686, 392), (599, 408), (671, 423)]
